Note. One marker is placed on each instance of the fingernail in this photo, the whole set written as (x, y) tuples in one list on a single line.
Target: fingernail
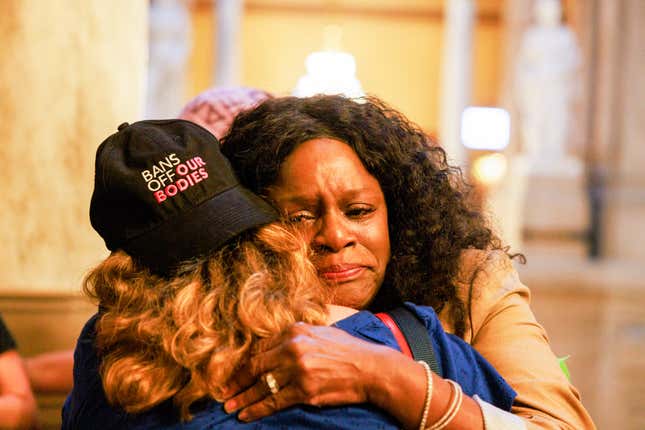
[(243, 416), (230, 406)]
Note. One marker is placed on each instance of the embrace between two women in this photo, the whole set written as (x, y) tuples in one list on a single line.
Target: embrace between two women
[(218, 309)]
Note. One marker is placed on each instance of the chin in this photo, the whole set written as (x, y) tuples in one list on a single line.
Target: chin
[(352, 296)]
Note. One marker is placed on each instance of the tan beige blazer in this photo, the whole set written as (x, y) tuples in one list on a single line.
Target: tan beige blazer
[(506, 333)]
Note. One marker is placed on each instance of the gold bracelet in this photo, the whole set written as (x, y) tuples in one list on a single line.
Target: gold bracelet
[(426, 405), (456, 399)]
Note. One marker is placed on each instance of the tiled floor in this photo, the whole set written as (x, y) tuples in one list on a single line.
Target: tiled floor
[(596, 314)]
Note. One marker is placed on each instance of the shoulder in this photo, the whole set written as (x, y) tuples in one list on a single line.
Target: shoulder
[(483, 266), (507, 334), (490, 274), (428, 317), (487, 282)]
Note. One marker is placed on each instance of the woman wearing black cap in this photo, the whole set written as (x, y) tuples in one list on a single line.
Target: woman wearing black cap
[(201, 271)]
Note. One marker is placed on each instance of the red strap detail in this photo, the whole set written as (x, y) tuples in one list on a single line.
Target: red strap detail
[(396, 331)]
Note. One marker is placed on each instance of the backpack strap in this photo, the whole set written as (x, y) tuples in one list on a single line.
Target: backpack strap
[(411, 335), (396, 331)]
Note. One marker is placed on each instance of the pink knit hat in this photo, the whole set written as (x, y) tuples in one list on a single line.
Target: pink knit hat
[(216, 108)]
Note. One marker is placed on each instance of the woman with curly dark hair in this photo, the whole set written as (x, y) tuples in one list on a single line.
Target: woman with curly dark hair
[(390, 221), (203, 272)]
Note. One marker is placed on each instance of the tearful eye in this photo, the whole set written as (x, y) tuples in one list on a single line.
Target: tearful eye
[(359, 212), (299, 217)]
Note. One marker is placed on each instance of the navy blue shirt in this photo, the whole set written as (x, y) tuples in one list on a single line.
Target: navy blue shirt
[(87, 407), (7, 342)]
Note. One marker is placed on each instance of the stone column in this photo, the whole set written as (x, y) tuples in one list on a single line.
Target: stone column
[(619, 128), (228, 15), (170, 42), (506, 199), (456, 76), (70, 74), (616, 159)]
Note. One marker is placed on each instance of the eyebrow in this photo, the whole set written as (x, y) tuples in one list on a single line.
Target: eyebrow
[(299, 200), (306, 200)]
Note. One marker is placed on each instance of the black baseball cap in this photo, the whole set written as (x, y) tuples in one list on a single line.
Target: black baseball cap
[(164, 193)]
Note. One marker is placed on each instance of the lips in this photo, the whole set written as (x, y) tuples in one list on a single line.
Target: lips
[(341, 272)]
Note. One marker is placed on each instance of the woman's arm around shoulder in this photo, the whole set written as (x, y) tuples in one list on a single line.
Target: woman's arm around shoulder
[(505, 331)]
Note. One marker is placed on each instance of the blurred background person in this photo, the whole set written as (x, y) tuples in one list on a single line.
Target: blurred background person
[(51, 372), (216, 108), (17, 403)]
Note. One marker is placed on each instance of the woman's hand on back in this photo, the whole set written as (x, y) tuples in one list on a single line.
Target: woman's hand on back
[(313, 365)]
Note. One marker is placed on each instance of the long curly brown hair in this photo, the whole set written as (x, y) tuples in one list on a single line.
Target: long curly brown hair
[(431, 217), (182, 337)]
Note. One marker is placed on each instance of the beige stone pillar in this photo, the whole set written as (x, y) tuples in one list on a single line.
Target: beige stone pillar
[(456, 75), (169, 46), (620, 128), (228, 66), (505, 201), (71, 71)]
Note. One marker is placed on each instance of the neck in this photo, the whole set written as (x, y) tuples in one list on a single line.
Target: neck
[(337, 313)]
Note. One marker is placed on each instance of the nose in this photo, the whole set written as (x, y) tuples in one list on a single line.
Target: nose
[(333, 233)]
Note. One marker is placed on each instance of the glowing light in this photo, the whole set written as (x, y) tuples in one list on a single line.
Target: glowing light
[(485, 128), (330, 71), (489, 169)]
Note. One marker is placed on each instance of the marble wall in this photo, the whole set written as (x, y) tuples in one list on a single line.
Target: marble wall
[(71, 71)]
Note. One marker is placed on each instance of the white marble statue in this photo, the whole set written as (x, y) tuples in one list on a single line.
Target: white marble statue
[(547, 84)]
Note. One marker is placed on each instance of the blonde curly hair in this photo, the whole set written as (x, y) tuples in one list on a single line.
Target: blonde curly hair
[(183, 337)]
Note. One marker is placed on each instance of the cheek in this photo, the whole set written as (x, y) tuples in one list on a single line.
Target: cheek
[(378, 242)]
